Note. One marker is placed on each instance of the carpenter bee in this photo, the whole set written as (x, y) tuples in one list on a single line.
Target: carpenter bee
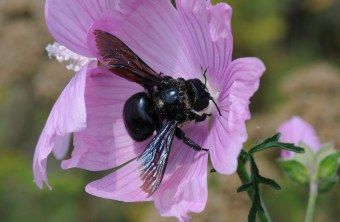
[(162, 107)]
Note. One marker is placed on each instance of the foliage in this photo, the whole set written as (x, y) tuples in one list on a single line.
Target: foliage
[(251, 184)]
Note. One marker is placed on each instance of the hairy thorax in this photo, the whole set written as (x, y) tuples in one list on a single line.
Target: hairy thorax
[(173, 102)]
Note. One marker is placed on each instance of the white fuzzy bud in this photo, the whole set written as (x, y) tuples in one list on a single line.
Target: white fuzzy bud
[(62, 54)]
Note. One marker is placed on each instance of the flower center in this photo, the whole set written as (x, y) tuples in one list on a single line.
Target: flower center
[(214, 93)]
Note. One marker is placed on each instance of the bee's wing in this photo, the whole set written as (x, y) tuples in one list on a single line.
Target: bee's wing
[(123, 61), (153, 161)]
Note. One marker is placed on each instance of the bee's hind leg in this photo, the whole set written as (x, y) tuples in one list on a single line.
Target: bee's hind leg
[(181, 135)]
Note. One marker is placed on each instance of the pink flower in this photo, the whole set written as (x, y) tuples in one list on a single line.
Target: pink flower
[(178, 42), (298, 131)]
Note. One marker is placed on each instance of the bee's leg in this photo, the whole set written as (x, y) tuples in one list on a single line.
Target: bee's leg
[(198, 118), (181, 135)]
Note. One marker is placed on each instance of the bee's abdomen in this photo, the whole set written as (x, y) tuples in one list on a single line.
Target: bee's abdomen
[(140, 116)]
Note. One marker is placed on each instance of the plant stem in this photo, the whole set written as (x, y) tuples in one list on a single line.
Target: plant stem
[(244, 177), (313, 192)]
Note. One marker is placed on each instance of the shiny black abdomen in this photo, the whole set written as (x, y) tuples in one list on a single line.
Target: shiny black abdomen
[(140, 116)]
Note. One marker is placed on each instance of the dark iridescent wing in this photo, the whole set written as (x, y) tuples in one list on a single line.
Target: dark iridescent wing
[(123, 61), (153, 161)]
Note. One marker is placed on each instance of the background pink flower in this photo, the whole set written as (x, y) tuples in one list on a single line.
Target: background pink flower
[(178, 42), (297, 131)]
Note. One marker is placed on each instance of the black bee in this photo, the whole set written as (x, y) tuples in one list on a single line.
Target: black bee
[(162, 107)]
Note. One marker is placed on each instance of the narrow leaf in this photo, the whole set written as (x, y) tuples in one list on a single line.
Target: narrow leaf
[(246, 187), (273, 142), (265, 144), (269, 182), (290, 147)]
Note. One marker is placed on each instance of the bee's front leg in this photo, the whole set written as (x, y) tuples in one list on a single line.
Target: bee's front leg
[(197, 117)]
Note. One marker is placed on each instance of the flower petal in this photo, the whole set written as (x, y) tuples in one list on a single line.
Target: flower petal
[(61, 146), (105, 143), (183, 189), (228, 131), (69, 20), (296, 130), (207, 32), (123, 184), (68, 115), (225, 145), (184, 186), (156, 38)]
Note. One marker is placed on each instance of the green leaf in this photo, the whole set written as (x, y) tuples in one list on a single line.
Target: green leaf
[(328, 166), (290, 147), (265, 144), (246, 187), (296, 171), (269, 182), (328, 184), (273, 142), (251, 184)]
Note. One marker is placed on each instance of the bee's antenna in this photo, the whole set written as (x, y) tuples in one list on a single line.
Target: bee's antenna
[(218, 109), (205, 76)]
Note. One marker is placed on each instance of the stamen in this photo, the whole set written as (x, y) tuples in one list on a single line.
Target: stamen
[(62, 54)]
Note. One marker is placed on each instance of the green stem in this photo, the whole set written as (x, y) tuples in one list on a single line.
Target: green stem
[(313, 192), (244, 177)]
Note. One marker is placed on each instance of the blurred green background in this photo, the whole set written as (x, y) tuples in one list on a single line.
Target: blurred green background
[(298, 40)]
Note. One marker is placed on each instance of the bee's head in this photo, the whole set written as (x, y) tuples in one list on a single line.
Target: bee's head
[(199, 95)]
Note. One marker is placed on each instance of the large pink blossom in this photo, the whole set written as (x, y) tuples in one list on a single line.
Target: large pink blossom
[(180, 42), (297, 131)]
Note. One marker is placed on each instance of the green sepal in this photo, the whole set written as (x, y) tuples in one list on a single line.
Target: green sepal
[(328, 166), (296, 171), (328, 184), (308, 158), (324, 151)]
